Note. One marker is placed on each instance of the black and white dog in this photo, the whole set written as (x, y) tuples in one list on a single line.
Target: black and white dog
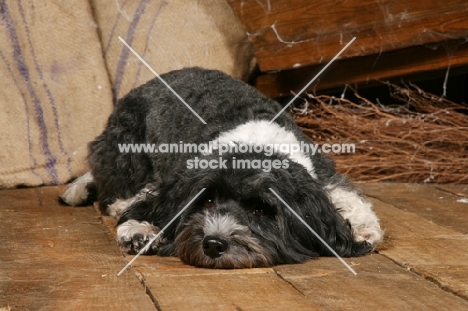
[(236, 222)]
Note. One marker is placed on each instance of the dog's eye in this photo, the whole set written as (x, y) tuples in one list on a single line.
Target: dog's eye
[(258, 208), (258, 213), (209, 203)]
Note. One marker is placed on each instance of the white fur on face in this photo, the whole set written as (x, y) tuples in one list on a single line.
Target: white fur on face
[(222, 225), (261, 132), (77, 193), (364, 222)]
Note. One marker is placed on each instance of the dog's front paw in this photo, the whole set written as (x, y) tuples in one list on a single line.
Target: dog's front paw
[(360, 214), (373, 235), (133, 236)]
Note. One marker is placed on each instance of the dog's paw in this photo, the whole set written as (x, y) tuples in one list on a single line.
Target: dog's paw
[(133, 236), (80, 192), (372, 235), (360, 214), (366, 239)]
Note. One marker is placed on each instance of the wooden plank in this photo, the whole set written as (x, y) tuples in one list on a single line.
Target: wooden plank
[(380, 284), (176, 286), (55, 257), (295, 33), (419, 62), (458, 190), (430, 250), (60, 258), (440, 207), (436, 253)]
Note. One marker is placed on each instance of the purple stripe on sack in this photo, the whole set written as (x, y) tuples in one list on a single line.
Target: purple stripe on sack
[(111, 36), (21, 65), (125, 51), (148, 35), (46, 89), (28, 122)]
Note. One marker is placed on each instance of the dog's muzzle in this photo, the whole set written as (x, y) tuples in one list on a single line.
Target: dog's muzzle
[(214, 246)]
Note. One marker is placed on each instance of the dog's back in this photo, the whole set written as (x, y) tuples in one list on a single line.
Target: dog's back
[(152, 115)]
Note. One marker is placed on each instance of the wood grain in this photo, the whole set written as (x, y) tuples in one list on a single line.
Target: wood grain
[(430, 250), (441, 207), (60, 258), (202, 289), (177, 286), (379, 285), (428, 234), (296, 33), (415, 63), (458, 190)]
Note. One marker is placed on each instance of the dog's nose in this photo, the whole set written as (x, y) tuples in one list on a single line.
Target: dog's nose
[(214, 246)]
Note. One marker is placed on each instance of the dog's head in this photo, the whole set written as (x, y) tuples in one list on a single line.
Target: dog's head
[(238, 222)]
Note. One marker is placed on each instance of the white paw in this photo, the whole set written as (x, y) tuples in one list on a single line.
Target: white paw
[(77, 192), (133, 236), (372, 235), (353, 207)]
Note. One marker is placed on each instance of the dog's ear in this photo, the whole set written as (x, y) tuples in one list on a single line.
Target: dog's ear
[(328, 223), (315, 208)]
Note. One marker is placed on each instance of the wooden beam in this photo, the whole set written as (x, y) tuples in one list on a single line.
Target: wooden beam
[(297, 33), (419, 60)]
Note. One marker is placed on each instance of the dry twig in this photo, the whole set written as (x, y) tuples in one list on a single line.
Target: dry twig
[(422, 139)]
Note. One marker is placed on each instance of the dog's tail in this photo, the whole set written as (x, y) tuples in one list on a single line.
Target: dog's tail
[(82, 191)]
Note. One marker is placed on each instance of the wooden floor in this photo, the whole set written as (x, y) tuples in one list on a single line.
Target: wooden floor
[(62, 258)]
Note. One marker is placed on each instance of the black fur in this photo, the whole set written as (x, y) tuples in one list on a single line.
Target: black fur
[(152, 114)]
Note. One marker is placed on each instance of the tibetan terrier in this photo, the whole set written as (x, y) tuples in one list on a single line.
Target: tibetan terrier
[(155, 155)]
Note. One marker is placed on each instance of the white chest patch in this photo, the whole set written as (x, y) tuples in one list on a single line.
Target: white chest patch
[(272, 137)]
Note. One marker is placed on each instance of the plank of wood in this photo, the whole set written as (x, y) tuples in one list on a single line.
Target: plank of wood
[(441, 207), (380, 284), (458, 190), (430, 250), (437, 253), (177, 286), (295, 33), (415, 62), (325, 283), (60, 258)]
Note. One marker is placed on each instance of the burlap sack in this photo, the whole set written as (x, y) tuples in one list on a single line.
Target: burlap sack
[(170, 35), (56, 90), (55, 94)]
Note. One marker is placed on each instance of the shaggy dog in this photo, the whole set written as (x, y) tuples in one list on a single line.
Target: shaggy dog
[(237, 157)]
